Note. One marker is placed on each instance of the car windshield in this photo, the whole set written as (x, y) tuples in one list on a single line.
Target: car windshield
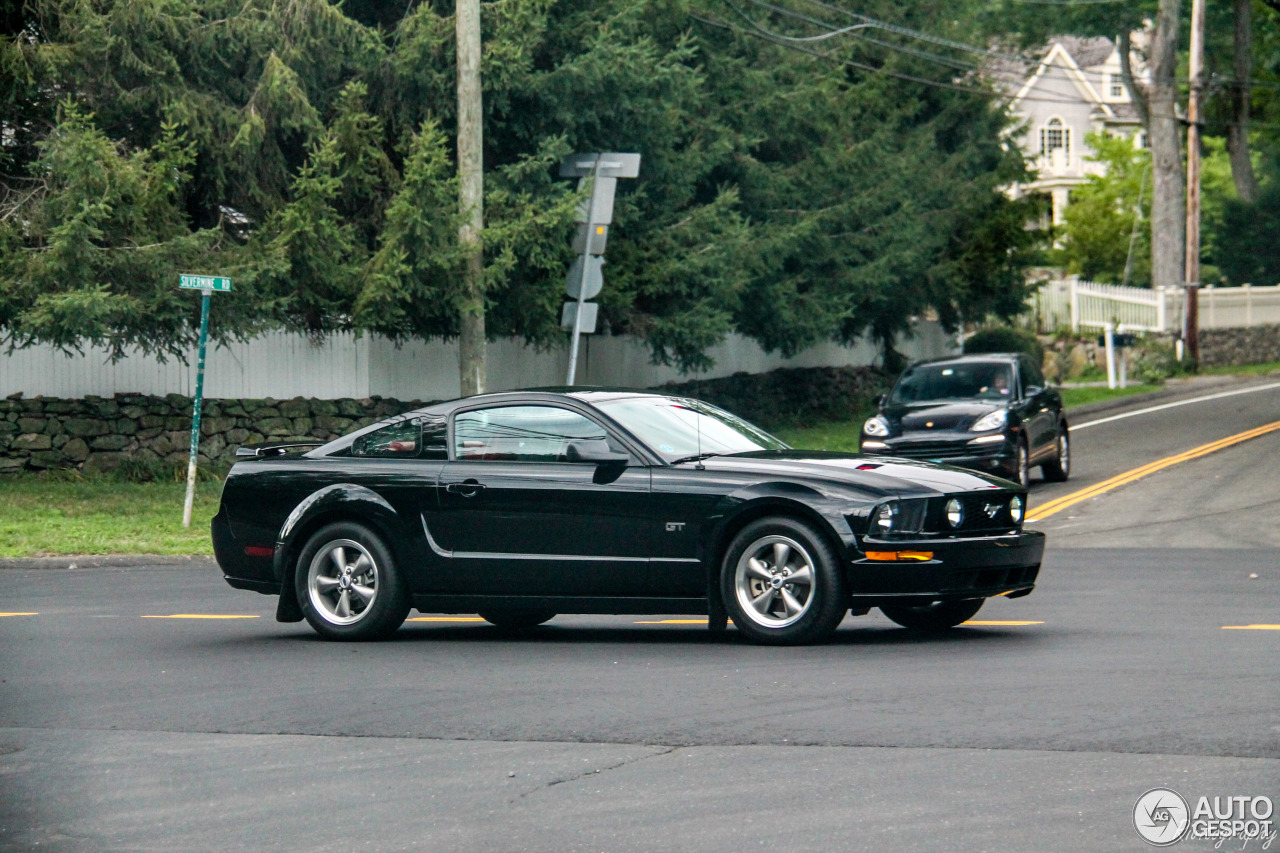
[(677, 427), (954, 381)]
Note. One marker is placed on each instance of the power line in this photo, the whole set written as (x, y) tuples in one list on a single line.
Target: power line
[(1024, 61), (973, 90)]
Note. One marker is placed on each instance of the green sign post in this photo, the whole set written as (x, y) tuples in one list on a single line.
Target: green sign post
[(206, 284)]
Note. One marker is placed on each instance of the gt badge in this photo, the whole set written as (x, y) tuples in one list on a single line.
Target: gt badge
[(675, 526)]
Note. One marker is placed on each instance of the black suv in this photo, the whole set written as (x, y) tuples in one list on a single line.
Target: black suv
[(992, 412)]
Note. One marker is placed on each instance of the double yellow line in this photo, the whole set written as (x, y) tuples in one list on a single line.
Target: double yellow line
[(1093, 491)]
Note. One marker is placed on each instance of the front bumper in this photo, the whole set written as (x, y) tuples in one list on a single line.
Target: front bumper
[(978, 567), (999, 458)]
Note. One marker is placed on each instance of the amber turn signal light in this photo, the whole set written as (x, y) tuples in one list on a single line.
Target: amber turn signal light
[(899, 556)]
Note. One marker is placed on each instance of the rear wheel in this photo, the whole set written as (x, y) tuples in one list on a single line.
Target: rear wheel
[(938, 616), (781, 583), (1059, 469), (517, 618), (348, 585)]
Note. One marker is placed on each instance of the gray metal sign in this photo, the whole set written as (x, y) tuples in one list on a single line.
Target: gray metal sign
[(569, 314), (599, 239), (586, 277), (609, 164)]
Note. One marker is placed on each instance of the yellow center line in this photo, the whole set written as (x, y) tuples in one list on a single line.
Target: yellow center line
[(19, 614), (675, 622), (1251, 627), (202, 616), (445, 619), (1059, 504), (994, 622)]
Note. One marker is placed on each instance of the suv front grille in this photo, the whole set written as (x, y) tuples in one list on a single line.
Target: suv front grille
[(930, 449)]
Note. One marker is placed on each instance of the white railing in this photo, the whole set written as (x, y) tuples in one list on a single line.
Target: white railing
[(1076, 304)]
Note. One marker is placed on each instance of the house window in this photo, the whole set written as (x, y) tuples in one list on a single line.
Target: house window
[(1117, 86), (1055, 136)]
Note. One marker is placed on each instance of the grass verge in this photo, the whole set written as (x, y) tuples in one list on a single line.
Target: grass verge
[(48, 516), (1072, 397)]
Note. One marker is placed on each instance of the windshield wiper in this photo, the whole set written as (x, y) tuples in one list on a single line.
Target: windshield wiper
[(698, 457)]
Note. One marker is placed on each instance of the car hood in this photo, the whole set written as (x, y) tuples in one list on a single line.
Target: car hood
[(953, 415), (865, 473)]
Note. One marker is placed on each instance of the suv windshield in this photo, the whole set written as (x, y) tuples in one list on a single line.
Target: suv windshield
[(954, 381), (677, 427)]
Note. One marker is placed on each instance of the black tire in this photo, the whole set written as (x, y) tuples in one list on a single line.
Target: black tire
[(938, 616), (358, 563), (1059, 469), (1022, 471), (812, 604), (514, 619)]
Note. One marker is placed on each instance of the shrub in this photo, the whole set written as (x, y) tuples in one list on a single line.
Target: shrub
[(1005, 339), (790, 396)]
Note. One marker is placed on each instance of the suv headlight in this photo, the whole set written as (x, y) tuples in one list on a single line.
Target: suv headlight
[(994, 420), (875, 426)]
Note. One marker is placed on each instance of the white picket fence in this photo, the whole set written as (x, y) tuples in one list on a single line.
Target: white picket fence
[(1075, 304)]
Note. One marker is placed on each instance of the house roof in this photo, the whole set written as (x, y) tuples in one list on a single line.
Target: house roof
[(1058, 56), (1087, 52)]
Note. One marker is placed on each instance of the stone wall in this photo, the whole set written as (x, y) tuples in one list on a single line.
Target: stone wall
[(1252, 345), (97, 433)]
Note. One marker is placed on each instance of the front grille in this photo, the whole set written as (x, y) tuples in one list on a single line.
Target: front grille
[(931, 449), (987, 512), (985, 579)]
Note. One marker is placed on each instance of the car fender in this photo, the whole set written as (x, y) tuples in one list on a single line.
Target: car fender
[(760, 499), (348, 500)]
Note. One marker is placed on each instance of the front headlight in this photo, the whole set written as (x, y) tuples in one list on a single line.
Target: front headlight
[(875, 426), (885, 517), (1015, 509), (995, 420), (955, 513)]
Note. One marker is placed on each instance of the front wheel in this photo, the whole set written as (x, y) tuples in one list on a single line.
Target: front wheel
[(938, 616), (1059, 469), (781, 583), (1023, 471), (517, 618), (348, 585)]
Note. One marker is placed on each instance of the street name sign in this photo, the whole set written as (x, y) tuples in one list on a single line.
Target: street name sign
[(204, 282)]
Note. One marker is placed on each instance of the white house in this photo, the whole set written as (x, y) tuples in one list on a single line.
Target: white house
[(1075, 89)]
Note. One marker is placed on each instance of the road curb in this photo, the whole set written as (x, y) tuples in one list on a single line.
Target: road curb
[(104, 561)]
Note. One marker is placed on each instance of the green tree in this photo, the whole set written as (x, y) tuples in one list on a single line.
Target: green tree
[(1101, 240)]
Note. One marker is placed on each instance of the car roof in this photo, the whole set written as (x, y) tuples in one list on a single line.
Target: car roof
[(972, 358)]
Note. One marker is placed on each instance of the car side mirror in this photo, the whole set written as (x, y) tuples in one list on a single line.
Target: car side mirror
[(1033, 390), (595, 451), (877, 400)]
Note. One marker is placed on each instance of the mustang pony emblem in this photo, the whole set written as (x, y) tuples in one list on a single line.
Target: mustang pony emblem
[(991, 510)]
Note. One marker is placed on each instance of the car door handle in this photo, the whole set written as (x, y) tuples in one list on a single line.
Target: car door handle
[(468, 489)]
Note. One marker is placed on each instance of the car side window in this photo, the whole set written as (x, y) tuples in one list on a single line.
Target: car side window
[(402, 439), (521, 433), (1031, 374)]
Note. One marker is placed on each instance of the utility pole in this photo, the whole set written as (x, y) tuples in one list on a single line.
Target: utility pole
[(1168, 191), (471, 335), (1195, 67)]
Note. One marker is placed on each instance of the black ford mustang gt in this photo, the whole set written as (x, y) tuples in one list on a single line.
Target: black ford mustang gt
[(522, 505)]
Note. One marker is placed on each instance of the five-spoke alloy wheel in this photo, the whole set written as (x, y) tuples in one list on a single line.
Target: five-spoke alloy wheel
[(781, 583), (347, 584)]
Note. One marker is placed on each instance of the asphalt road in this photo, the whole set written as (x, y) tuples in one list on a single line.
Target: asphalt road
[(123, 732)]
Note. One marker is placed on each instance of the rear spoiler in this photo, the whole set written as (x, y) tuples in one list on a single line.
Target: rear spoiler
[(275, 448)]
